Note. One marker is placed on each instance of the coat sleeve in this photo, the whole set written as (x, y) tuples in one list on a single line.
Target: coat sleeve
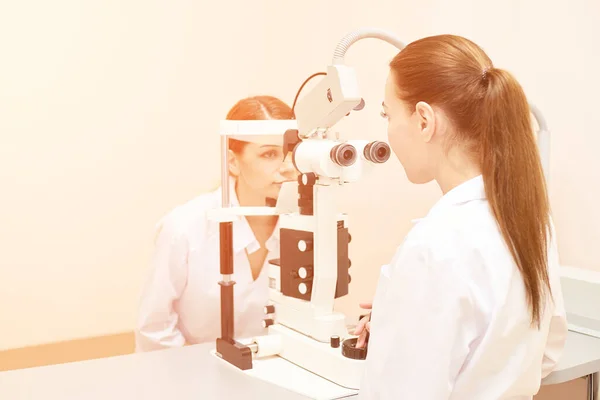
[(157, 323), (417, 343), (557, 334)]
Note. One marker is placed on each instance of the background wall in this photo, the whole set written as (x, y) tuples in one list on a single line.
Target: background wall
[(109, 114)]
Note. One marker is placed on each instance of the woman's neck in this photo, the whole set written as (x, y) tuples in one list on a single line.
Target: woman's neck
[(457, 169)]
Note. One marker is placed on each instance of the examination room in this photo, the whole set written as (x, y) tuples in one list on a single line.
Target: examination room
[(293, 200)]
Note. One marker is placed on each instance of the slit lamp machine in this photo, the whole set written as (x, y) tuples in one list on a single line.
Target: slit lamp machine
[(313, 268)]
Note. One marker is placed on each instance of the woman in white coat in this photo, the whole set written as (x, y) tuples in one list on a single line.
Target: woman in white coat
[(470, 307), (181, 301)]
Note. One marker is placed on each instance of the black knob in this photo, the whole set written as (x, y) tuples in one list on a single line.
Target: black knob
[(267, 322), (270, 309), (349, 278), (349, 237), (349, 350), (335, 341), (349, 263)]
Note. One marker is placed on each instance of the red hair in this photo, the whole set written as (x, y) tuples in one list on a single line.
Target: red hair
[(491, 116), (257, 108)]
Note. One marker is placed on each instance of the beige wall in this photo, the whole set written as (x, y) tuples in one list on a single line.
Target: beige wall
[(109, 112)]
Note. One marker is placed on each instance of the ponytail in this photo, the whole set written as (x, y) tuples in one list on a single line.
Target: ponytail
[(514, 181), (490, 112)]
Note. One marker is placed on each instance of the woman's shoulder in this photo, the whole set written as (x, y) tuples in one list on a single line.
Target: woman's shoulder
[(190, 218)]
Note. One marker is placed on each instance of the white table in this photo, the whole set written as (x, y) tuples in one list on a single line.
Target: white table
[(580, 359), (187, 373), (193, 373)]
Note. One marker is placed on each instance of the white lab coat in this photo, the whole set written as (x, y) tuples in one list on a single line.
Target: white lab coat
[(180, 303), (450, 318)]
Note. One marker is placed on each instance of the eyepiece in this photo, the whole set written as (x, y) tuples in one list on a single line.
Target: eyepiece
[(377, 152), (343, 154)]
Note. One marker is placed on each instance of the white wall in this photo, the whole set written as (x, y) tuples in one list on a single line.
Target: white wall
[(108, 117)]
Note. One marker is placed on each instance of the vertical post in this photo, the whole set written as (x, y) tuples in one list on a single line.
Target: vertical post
[(226, 251), (225, 171), (226, 256), (227, 347)]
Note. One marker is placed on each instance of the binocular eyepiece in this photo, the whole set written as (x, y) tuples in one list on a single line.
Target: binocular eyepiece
[(345, 154), (377, 152), (334, 159)]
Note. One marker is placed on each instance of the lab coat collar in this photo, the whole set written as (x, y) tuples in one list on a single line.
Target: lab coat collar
[(473, 189), (242, 232)]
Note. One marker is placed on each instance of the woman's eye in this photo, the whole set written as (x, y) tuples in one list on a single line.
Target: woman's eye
[(383, 114), (270, 154)]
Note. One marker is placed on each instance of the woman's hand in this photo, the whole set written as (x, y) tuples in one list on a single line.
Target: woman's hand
[(364, 326)]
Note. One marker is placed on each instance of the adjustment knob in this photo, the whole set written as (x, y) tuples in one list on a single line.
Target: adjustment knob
[(305, 272), (302, 288), (267, 322), (270, 309), (335, 341), (307, 179), (349, 350), (305, 245), (302, 273)]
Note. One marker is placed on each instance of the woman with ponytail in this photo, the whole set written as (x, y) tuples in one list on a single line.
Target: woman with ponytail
[(471, 306)]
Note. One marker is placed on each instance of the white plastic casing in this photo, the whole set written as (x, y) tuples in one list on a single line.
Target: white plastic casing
[(331, 100)]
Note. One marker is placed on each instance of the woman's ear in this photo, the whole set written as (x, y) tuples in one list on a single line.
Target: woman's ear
[(426, 120), (234, 165)]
